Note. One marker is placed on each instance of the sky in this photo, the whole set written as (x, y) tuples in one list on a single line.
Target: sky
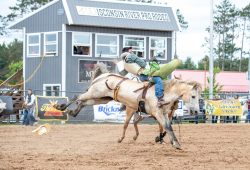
[(189, 42)]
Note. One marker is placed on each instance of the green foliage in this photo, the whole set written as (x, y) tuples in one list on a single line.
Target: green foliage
[(203, 64), (10, 53), (188, 64), (216, 87), (14, 67), (181, 19), (21, 7)]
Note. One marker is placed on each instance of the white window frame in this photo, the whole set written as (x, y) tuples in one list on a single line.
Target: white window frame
[(90, 45), (39, 44), (117, 45), (51, 85), (136, 36), (166, 45), (53, 43)]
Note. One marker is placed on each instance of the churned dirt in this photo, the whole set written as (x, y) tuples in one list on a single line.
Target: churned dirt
[(94, 146)]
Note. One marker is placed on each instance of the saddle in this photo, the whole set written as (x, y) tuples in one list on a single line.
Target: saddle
[(142, 96)]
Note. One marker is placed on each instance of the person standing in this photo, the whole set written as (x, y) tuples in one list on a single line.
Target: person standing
[(29, 109), (248, 113)]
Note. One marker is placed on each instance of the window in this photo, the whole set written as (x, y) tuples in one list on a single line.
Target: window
[(106, 45), (137, 43), (158, 48), (52, 90), (33, 45), (86, 69), (50, 44), (81, 44)]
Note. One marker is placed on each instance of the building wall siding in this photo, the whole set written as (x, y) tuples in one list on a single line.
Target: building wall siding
[(119, 31), (44, 21), (48, 73)]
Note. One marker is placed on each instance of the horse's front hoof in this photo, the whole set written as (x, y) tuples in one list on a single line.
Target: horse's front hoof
[(176, 145), (120, 140), (157, 139), (135, 138)]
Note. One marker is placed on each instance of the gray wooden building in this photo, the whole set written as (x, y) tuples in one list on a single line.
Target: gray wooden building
[(65, 38)]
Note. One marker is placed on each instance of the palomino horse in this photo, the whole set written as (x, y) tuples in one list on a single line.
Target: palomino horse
[(107, 86)]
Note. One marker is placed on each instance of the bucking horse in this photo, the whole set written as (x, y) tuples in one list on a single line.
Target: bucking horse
[(106, 87)]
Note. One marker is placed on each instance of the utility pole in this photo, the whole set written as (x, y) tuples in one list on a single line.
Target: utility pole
[(211, 58)]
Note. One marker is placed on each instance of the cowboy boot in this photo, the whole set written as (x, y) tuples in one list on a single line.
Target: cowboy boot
[(160, 102)]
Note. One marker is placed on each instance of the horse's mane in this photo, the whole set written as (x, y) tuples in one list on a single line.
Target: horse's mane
[(100, 68), (171, 83)]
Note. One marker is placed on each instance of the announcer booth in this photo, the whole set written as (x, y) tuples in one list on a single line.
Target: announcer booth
[(64, 39)]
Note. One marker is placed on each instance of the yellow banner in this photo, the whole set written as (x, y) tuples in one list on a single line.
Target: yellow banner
[(229, 107)]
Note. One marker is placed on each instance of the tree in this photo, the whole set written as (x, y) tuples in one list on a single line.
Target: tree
[(21, 7), (183, 25), (224, 23), (188, 64), (245, 16), (216, 87), (10, 53), (203, 64)]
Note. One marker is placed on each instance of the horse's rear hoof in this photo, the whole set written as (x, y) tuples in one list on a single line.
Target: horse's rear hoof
[(176, 145), (60, 107)]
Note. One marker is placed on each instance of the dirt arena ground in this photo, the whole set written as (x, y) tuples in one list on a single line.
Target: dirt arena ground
[(94, 146)]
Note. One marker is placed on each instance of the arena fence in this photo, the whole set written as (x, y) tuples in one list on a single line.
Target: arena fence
[(87, 114)]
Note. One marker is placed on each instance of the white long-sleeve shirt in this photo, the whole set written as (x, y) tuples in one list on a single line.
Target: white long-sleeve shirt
[(30, 104)]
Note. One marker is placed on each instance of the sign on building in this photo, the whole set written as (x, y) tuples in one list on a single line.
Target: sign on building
[(86, 69), (123, 14)]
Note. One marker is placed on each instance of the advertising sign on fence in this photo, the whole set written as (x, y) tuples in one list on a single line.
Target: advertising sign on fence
[(6, 105), (45, 109), (179, 111), (228, 107), (109, 112)]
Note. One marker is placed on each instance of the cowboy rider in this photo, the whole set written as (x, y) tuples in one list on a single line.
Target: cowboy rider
[(146, 74)]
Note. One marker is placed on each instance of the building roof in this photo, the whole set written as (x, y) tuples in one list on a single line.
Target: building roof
[(230, 81), (114, 14)]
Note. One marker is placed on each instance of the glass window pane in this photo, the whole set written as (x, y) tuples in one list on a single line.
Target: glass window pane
[(56, 90), (86, 69), (50, 48), (50, 37), (134, 42), (158, 43), (106, 50), (33, 39), (107, 39), (33, 49), (81, 39), (159, 54), (48, 90), (81, 50)]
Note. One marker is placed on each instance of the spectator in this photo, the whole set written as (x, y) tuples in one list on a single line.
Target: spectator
[(248, 115), (29, 109)]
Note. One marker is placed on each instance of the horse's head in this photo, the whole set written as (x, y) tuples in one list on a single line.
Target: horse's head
[(191, 97)]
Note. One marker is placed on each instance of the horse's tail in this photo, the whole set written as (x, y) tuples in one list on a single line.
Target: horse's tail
[(100, 68)]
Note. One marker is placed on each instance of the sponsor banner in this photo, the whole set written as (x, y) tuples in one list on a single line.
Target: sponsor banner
[(6, 105), (179, 111), (45, 109), (109, 112), (228, 107), (122, 14)]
